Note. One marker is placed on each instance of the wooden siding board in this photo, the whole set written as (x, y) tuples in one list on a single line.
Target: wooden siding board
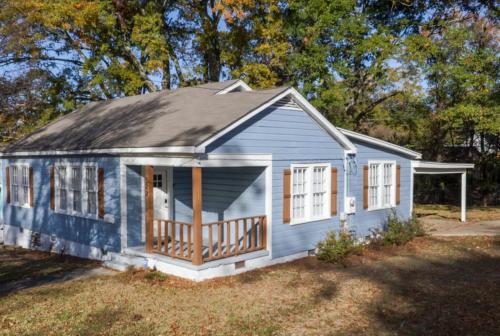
[(291, 136), (86, 231)]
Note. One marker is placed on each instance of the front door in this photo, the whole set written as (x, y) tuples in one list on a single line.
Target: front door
[(161, 193)]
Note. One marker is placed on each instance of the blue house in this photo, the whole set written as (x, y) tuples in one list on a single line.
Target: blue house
[(200, 182)]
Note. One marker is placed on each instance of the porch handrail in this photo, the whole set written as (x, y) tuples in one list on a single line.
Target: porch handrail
[(253, 236), (222, 239)]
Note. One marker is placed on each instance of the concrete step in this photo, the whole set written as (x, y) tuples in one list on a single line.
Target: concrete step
[(137, 262), (116, 265)]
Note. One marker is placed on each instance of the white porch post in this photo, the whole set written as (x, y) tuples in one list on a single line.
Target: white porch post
[(463, 197)]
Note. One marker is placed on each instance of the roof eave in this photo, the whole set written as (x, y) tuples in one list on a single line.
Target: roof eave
[(381, 143)]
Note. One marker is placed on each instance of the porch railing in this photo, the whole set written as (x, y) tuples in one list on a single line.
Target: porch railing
[(220, 239)]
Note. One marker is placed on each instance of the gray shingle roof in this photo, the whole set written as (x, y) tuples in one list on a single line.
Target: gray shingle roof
[(184, 117)]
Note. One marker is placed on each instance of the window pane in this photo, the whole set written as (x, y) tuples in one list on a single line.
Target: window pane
[(63, 198), (373, 185), (319, 192), (76, 183), (90, 187), (299, 191)]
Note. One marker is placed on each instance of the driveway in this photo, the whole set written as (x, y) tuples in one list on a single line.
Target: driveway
[(450, 227)]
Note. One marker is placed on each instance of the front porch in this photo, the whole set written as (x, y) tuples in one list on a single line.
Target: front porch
[(214, 214)]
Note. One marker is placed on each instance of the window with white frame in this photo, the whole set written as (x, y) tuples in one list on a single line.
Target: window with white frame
[(310, 192), (381, 185), (77, 190), (90, 188), (20, 185), (62, 189)]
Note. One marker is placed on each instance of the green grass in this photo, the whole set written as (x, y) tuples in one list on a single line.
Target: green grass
[(431, 285)]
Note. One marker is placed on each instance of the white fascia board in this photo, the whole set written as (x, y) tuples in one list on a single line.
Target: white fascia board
[(438, 166), (234, 86), (381, 143), (144, 150), (308, 108)]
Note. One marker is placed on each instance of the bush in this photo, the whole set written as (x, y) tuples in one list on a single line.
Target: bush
[(399, 232), (335, 247)]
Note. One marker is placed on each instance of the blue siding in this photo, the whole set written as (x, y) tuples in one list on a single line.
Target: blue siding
[(2, 189), (227, 193), (90, 232), (291, 136), (364, 220), (135, 205)]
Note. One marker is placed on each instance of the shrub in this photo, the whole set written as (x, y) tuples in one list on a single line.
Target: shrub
[(399, 232), (155, 276), (335, 247)]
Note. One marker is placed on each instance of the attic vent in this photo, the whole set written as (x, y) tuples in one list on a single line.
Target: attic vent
[(288, 103)]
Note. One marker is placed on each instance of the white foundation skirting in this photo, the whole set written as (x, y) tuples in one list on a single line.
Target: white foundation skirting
[(221, 270), (14, 235)]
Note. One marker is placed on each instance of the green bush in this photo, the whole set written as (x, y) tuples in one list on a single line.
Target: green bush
[(155, 276), (335, 247), (399, 232)]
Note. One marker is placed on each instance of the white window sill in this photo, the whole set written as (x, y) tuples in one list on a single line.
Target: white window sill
[(309, 220), (381, 208), (76, 214), (17, 205)]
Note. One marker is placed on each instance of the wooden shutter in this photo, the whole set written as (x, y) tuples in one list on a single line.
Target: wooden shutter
[(52, 188), (7, 182), (398, 184), (333, 198), (287, 195), (100, 192), (365, 187), (30, 181)]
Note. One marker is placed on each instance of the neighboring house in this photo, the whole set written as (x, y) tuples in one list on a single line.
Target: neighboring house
[(200, 182)]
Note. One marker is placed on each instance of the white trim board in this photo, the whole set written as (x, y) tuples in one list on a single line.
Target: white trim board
[(381, 143), (143, 150), (308, 108), (441, 166), (239, 84)]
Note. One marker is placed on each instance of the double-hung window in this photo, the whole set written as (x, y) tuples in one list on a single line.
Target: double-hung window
[(20, 185), (76, 190), (90, 190), (310, 192), (381, 185), (62, 189)]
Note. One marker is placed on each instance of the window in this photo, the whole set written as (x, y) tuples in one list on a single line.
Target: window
[(20, 185), (310, 192), (77, 190), (15, 185), (158, 180), (381, 191), (91, 190), (62, 189)]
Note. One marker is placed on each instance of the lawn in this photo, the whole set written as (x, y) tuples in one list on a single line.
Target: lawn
[(444, 286), (453, 212)]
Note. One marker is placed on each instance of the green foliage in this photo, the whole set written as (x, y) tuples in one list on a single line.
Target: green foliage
[(155, 276), (399, 232), (336, 247)]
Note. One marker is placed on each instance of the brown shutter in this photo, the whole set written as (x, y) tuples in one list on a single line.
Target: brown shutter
[(52, 188), (398, 184), (32, 194), (100, 192), (7, 182), (287, 195), (333, 198), (365, 187)]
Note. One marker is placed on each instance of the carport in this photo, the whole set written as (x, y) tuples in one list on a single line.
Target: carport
[(427, 167)]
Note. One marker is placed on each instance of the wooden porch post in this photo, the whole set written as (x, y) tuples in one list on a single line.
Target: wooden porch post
[(197, 205), (149, 206)]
